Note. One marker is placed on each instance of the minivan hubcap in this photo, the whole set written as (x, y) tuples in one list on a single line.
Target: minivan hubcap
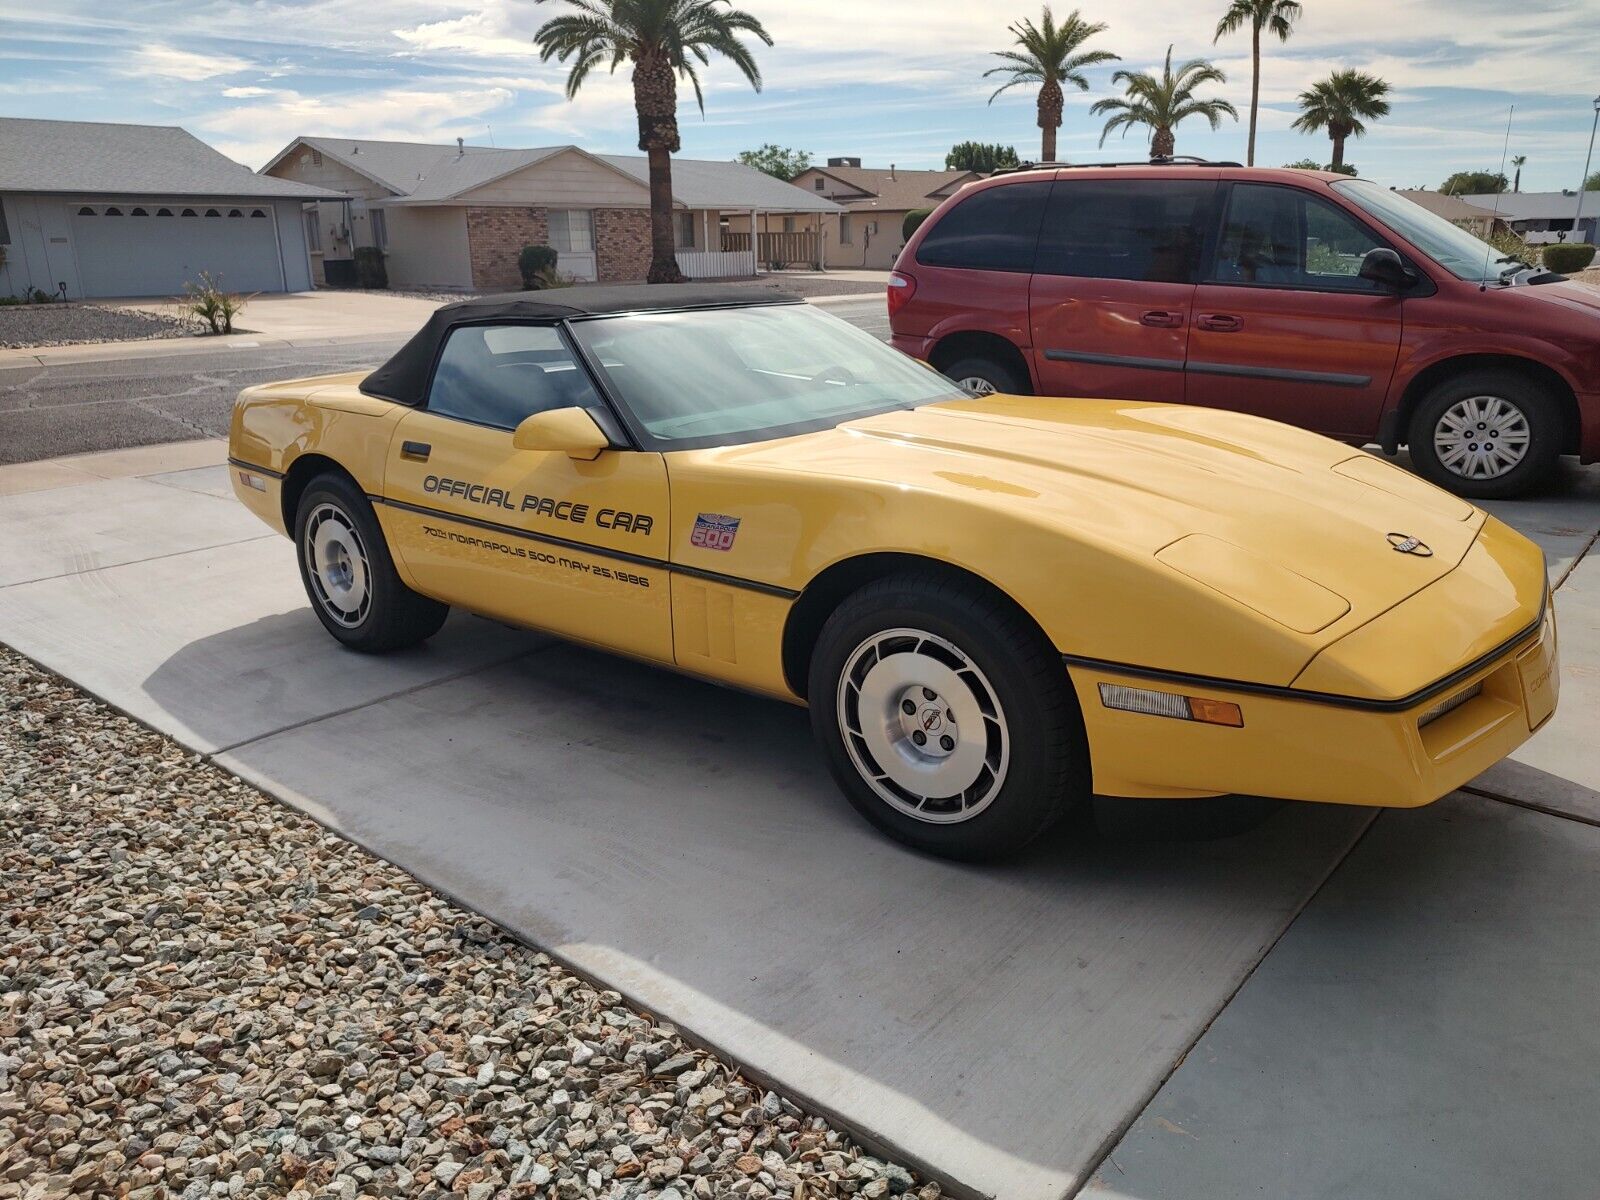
[(336, 562), (977, 385), (923, 726), (1481, 437)]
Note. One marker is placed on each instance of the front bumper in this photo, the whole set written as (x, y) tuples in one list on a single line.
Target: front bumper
[(1296, 748)]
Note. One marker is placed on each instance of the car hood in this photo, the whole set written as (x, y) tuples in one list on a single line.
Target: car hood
[(1289, 523), (1575, 297)]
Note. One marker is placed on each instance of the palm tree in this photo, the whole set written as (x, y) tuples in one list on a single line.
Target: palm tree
[(1517, 161), (1049, 55), (1341, 104), (1276, 17), (663, 39), (1162, 103)]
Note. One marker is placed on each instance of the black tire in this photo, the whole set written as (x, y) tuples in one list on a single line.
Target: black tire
[(388, 615), (1536, 414), (1038, 768), (997, 375)]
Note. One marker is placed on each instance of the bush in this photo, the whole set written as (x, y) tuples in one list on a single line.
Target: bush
[(211, 304), (370, 271), (534, 264), (913, 221), (1567, 258)]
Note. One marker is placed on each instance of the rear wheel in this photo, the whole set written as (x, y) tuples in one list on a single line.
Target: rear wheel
[(985, 376), (946, 717), (1486, 434), (349, 575)]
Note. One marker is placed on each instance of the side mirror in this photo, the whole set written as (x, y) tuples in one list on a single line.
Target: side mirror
[(569, 430), (1384, 267)]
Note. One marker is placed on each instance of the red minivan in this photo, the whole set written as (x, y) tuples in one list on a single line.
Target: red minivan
[(1317, 299)]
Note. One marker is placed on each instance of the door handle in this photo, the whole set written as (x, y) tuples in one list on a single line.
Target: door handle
[(415, 451), (1221, 322), (1161, 319)]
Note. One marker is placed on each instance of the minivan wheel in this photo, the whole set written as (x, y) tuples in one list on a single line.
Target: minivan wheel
[(946, 717), (1486, 434), (985, 376)]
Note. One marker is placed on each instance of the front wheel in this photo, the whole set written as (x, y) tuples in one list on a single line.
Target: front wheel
[(350, 577), (1486, 434), (946, 717)]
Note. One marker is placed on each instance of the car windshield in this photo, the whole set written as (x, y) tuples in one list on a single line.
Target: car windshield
[(1452, 247), (716, 377)]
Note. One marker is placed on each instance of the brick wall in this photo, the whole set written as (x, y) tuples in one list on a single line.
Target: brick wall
[(622, 244), (495, 236)]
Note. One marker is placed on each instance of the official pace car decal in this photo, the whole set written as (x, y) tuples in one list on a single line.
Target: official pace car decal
[(713, 531), (543, 506)]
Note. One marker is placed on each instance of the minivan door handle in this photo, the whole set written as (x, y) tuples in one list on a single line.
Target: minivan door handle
[(1160, 318), (1220, 322)]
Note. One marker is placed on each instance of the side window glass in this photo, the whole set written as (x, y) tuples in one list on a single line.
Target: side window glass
[(992, 230), (1283, 237), (500, 375), (1150, 230)]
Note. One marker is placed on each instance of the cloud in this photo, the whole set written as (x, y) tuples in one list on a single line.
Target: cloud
[(245, 93), (478, 33), (168, 62)]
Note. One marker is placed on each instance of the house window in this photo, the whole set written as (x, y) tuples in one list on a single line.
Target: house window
[(86, 211), (380, 228), (138, 212), (316, 158), (188, 212), (234, 212), (571, 231), (817, 183), (686, 230), (844, 230), (210, 212), (313, 231), (256, 212), (163, 212), (113, 212), (788, 224)]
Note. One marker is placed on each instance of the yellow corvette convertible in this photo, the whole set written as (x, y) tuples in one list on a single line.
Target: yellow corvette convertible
[(992, 606)]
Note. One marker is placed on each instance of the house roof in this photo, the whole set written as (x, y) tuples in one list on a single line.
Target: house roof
[(428, 173), (157, 160), (893, 189), (1535, 206), (1451, 208)]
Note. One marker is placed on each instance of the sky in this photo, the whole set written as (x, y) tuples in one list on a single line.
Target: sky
[(888, 81)]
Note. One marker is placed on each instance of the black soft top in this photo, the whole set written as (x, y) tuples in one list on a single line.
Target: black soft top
[(405, 377)]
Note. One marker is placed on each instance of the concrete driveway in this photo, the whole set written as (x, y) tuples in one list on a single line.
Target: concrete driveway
[(1002, 1027)]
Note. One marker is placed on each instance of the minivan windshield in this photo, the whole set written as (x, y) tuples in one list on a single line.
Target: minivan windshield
[(719, 377), (1453, 248)]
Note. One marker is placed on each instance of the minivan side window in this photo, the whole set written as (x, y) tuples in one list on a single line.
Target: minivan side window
[(992, 230), (1285, 237), (1145, 229), (499, 375)]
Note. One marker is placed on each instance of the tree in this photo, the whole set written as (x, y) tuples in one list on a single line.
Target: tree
[(1049, 55), (1162, 103), (1304, 164), (1518, 161), (778, 161), (1592, 184), (663, 39), (1473, 183), (1340, 105), (1277, 17), (980, 156)]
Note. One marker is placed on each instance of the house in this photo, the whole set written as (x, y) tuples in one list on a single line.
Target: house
[(1541, 217), (91, 209), (1481, 221), (458, 216), (875, 203)]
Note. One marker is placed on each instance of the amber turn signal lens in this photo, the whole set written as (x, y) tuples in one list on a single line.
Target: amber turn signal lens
[(1215, 712)]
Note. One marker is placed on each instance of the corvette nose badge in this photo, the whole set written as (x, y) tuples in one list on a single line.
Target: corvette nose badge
[(1406, 544)]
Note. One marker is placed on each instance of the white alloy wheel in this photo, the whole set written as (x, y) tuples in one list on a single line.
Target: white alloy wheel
[(923, 726), (1482, 437), (336, 563), (977, 385)]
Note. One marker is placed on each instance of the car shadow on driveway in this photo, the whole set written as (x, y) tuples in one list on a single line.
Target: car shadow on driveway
[(684, 844)]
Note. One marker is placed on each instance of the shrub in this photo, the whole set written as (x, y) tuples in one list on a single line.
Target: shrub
[(913, 220), (1566, 258), (211, 304), (549, 277), (533, 263), (370, 271)]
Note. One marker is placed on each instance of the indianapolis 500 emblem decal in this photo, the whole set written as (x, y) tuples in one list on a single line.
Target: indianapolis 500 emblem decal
[(713, 531)]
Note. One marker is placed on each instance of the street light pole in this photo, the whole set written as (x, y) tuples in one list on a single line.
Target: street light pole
[(1577, 229)]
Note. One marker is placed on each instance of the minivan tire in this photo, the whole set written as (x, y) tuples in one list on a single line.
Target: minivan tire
[(985, 375), (1507, 403)]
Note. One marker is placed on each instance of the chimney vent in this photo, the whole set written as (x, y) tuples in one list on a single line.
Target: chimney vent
[(891, 172), (461, 146)]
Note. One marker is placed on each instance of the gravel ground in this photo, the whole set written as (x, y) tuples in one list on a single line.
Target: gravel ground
[(203, 993), (28, 325)]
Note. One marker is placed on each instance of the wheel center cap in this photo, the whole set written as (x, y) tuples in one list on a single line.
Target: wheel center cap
[(932, 720)]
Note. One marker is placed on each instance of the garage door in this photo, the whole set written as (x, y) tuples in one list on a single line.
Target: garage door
[(154, 249)]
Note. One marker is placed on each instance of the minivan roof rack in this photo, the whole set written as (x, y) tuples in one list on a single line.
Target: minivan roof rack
[(1179, 160)]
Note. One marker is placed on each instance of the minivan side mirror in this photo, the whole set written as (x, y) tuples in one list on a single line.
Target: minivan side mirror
[(1385, 268), (569, 430)]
